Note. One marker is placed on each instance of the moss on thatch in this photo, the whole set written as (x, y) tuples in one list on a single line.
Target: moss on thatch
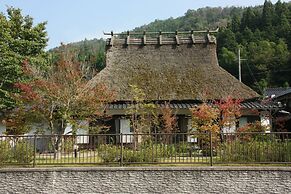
[(169, 72)]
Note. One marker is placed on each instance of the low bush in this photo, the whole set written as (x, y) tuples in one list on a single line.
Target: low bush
[(23, 152), (109, 153), (255, 151), (145, 153), (68, 144), (5, 152)]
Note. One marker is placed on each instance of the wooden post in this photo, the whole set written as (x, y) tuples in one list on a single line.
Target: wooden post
[(144, 38), (208, 39), (160, 38), (128, 38), (111, 40), (177, 38), (192, 37)]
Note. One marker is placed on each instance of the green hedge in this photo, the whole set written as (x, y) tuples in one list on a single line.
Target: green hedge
[(5, 152), (21, 153), (145, 153), (255, 151)]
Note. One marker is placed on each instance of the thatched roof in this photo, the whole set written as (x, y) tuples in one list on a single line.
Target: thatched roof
[(168, 70)]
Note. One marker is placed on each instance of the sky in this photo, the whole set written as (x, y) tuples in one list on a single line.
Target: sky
[(75, 20)]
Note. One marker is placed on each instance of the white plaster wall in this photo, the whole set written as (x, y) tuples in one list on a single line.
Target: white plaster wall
[(2, 128), (83, 131), (266, 120), (231, 128)]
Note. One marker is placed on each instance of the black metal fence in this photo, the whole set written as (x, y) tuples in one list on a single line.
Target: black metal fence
[(125, 149)]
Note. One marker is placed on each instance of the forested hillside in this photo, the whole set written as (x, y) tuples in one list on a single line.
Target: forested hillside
[(90, 54), (264, 36), (262, 33)]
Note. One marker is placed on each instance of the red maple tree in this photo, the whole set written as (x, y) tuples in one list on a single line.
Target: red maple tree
[(61, 97)]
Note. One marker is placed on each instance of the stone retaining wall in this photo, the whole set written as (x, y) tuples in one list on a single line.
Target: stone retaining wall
[(146, 180)]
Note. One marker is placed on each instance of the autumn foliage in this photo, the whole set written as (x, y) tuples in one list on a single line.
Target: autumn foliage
[(212, 117), (230, 110), (60, 96), (169, 119), (205, 118)]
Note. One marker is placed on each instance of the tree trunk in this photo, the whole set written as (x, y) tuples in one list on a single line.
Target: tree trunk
[(58, 139)]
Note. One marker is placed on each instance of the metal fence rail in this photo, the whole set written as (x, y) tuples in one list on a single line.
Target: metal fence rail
[(125, 149)]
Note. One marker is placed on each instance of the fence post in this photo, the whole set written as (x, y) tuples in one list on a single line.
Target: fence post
[(121, 149), (34, 150), (211, 149)]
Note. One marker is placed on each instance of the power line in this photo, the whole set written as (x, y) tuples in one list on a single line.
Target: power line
[(255, 80), (239, 65), (275, 71)]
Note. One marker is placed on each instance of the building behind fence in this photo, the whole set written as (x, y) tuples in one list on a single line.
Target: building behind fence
[(125, 149)]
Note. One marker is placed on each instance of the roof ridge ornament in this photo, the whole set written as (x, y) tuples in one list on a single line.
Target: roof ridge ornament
[(164, 32), (161, 37)]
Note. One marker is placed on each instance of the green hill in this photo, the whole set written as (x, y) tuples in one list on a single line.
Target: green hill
[(262, 33)]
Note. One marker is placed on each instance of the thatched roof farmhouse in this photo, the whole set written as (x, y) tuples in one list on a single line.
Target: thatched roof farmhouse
[(169, 68), (178, 67)]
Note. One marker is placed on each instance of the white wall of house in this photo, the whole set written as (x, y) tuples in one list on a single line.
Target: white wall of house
[(230, 128), (191, 139), (266, 120), (125, 129), (82, 131), (2, 128)]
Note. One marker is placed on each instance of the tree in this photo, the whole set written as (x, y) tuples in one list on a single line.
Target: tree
[(212, 118), (248, 20), (61, 97), (143, 115), (235, 23), (169, 120), (268, 14), (229, 111), (19, 41), (227, 39), (205, 118), (228, 59)]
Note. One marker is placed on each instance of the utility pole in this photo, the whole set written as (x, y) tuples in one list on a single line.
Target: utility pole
[(239, 65)]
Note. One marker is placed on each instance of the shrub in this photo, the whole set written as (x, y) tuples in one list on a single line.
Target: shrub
[(146, 153), (109, 153), (183, 147), (256, 151), (23, 152), (5, 151), (68, 144)]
